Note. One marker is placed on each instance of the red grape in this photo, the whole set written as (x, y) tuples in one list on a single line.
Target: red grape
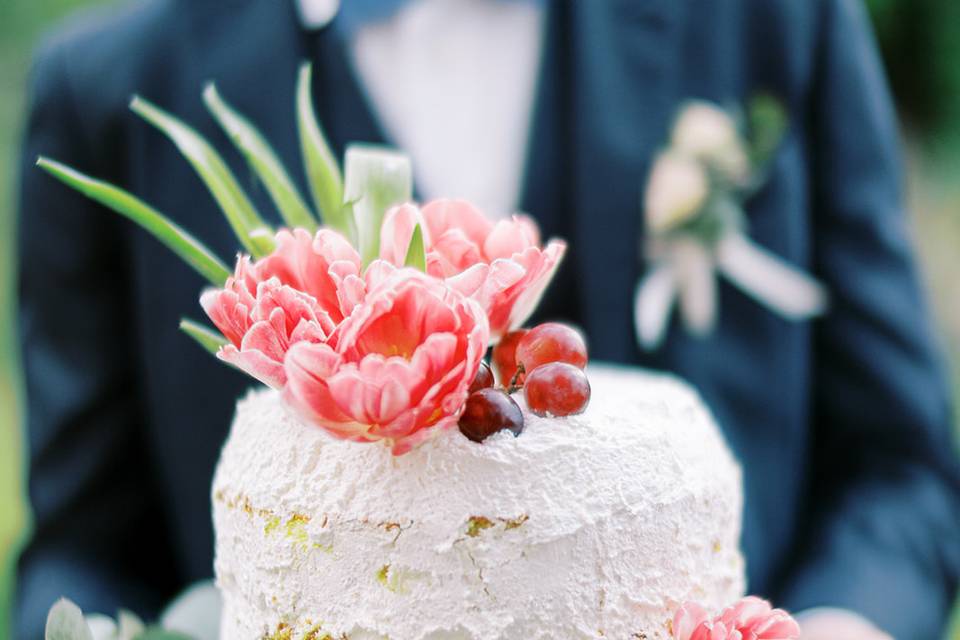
[(504, 356), (488, 411), (551, 342), (483, 379), (557, 389)]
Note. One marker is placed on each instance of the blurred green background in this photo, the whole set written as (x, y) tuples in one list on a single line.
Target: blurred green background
[(920, 40)]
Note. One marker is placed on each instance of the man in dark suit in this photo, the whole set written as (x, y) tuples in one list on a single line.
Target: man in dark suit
[(843, 424)]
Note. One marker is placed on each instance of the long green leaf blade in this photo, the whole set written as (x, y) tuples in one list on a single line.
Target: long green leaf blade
[(205, 336), (323, 173), (376, 179), (191, 250), (416, 253), (263, 240), (263, 159), (211, 168)]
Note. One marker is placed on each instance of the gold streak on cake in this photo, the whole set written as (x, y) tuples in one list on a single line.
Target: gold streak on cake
[(283, 632), (514, 523), (476, 524)]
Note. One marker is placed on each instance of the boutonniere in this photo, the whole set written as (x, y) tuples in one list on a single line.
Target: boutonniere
[(696, 229)]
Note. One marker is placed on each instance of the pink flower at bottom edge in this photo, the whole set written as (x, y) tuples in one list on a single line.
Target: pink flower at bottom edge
[(397, 369), (687, 619), (756, 619), (750, 618)]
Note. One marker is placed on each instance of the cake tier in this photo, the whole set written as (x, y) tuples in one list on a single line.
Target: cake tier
[(591, 526)]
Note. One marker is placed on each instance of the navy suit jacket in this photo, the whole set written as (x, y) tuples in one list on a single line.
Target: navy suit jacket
[(843, 424)]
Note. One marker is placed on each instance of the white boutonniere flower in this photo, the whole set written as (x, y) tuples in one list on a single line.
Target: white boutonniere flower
[(696, 227)]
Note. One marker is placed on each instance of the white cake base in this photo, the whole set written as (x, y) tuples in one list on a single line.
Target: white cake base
[(593, 526)]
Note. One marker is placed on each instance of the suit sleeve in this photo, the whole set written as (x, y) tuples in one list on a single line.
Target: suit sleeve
[(883, 538), (98, 534)]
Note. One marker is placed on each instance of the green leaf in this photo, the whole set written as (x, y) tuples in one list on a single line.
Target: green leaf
[(263, 160), (208, 338), (211, 168), (191, 250), (323, 173), (416, 253), (767, 121), (65, 622), (376, 179), (263, 240)]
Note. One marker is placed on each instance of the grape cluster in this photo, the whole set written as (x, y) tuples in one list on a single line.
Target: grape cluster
[(546, 363)]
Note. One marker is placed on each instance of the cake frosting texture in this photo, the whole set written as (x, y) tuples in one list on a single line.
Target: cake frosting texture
[(591, 526)]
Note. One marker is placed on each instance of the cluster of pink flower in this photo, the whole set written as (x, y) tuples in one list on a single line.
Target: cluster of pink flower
[(749, 619), (383, 352)]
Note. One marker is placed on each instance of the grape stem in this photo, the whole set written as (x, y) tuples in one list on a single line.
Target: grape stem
[(515, 385)]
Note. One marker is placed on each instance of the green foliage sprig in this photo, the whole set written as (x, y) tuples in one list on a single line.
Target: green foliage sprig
[(376, 178)]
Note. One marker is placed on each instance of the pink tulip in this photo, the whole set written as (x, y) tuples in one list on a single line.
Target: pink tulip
[(751, 618), (500, 265), (398, 368), (316, 265), (294, 294)]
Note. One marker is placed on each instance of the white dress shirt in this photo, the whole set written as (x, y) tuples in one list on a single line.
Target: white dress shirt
[(453, 83)]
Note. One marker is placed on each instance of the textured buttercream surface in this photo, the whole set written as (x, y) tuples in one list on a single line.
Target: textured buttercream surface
[(591, 526)]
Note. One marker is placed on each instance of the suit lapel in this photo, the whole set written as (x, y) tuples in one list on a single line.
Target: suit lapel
[(253, 53), (623, 70), (342, 104)]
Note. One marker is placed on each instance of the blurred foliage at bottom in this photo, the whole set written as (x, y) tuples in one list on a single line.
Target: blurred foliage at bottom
[(920, 41)]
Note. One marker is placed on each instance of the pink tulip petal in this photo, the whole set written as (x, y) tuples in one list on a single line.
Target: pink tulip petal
[(396, 368), (255, 364), (394, 398), (264, 338), (348, 392), (307, 331), (686, 619), (539, 276), (228, 312), (749, 618), (779, 625), (469, 282), (509, 237), (378, 272), (307, 367), (397, 231), (443, 215), (304, 263), (456, 251)]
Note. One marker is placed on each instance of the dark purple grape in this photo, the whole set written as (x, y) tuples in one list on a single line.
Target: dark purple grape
[(488, 411)]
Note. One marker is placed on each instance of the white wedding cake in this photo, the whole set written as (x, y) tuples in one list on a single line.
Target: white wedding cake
[(422, 465), (590, 526)]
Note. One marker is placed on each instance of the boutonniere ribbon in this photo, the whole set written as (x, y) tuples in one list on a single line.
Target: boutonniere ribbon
[(696, 227)]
